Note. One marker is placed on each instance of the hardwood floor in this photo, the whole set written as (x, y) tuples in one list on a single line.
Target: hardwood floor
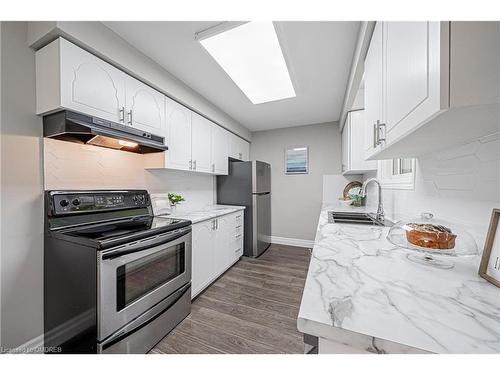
[(252, 308)]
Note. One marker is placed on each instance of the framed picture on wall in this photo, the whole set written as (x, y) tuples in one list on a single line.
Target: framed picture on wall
[(297, 160), (490, 262)]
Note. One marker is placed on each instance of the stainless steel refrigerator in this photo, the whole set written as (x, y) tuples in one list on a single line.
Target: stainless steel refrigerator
[(249, 184)]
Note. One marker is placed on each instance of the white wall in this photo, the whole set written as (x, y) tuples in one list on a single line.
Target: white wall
[(461, 184), (103, 42), (21, 192), (296, 199)]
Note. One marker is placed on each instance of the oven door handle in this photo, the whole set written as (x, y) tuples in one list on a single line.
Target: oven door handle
[(145, 245)]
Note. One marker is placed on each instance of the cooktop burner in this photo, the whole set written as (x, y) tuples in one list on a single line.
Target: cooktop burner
[(123, 228)]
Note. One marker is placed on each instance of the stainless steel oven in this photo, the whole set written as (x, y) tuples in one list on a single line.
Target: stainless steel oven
[(137, 278)]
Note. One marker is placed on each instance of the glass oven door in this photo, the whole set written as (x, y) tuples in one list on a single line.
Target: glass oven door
[(135, 277)]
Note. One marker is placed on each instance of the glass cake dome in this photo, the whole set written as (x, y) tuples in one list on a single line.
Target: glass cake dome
[(428, 236)]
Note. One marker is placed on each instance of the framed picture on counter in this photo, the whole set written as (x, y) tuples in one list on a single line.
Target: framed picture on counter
[(490, 262), (297, 160)]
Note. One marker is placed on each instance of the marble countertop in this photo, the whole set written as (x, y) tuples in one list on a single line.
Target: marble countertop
[(359, 282), (206, 213)]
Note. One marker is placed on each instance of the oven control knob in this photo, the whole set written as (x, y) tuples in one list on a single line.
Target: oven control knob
[(76, 202), (64, 202)]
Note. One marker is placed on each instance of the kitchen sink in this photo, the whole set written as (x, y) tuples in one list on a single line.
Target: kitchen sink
[(356, 218)]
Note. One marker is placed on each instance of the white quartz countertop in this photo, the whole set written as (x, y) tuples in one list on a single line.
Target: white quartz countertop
[(359, 282), (206, 213)]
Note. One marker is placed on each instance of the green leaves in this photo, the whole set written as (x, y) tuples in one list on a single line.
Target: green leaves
[(175, 198)]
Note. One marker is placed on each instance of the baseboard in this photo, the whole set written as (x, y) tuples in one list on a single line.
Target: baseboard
[(292, 242), (34, 346)]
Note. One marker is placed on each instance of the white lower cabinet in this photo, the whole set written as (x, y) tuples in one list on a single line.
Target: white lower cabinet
[(217, 244), (203, 244)]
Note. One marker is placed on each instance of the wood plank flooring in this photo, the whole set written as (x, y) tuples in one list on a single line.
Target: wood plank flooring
[(252, 308)]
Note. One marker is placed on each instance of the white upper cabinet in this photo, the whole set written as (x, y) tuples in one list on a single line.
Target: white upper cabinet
[(238, 148), (69, 77), (220, 161), (438, 83), (374, 90), (353, 152), (178, 155), (201, 144), (145, 107), (408, 69)]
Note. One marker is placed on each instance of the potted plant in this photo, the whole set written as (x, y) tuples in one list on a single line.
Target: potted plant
[(355, 196), (174, 200)]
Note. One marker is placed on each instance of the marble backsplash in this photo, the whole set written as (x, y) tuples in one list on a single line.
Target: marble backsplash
[(461, 184), (71, 166)]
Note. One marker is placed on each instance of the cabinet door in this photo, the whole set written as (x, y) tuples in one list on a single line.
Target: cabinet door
[(416, 58), (238, 148), (345, 144), (407, 69), (220, 162), (145, 107), (374, 79), (179, 136), (356, 155), (203, 243), (201, 144), (90, 85), (223, 250), (244, 150)]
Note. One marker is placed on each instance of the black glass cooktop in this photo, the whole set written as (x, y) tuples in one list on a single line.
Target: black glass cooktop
[(113, 230)]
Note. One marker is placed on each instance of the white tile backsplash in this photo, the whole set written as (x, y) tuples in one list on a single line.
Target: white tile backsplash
[(197, 188), (461, 184), (74, 166), (334, 184)]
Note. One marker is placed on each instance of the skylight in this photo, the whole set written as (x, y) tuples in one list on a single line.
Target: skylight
[(251, 55)]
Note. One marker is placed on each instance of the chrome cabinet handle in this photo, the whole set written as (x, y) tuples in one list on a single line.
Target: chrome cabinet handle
[(129, 113), (216, 223), (380, 139), (190, 164), (375, 135), (194, 165), (241, 155), (122, 114)]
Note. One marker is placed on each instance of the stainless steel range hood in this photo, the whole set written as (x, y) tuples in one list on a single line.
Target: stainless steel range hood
[(75, 127)]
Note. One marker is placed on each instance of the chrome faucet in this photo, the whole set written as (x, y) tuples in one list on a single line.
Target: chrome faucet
[(380, 209)]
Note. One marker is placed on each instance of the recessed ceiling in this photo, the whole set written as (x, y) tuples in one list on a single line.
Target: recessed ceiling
[(318, 55)]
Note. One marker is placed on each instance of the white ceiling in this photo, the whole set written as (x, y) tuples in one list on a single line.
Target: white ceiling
[(318, 55)]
